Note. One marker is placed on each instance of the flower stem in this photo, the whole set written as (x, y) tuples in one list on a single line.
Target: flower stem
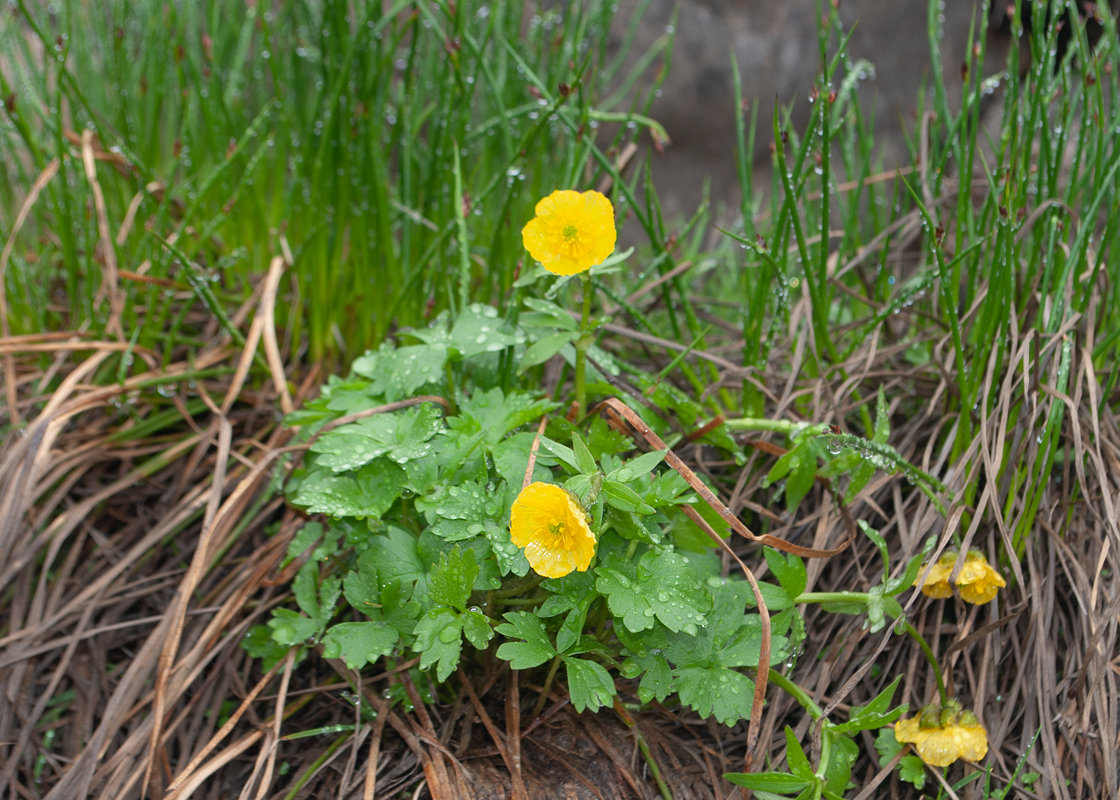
[(863, 597), (519, 586), (653, 768), (931, 658), (774, 425), (582, 343), (539, 707), (798, 694)]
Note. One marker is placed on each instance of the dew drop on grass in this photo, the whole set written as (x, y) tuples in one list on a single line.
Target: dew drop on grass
[(835, 448)]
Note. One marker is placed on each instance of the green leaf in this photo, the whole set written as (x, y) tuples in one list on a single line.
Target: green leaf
[(290, 628), (779, 782), (879, 542), (479, 329), (624, 498), (402, 372), (844, 753), (361, 588), (565, 454), (630, 526), (913, 566), (360, 643), (431, 548), (396, 556), (912, 770), (460, 511), (368, 492), (657, 682), (789, 570), (887, 746), (663, 586), (451, 580), (401, 436), (544, 349), (688, 535), (882, 419), (861, 475), (534, 650), (876, 709), (800, 464), (638, 467), (579, 485), (259, 643), (509, 557), (715, 691), (548, 315), (744, 648), (494, 414), (476, 627), (572, 627), (589, 684), (511, 458), (585, 462), (775, 597), (795, 756), (307, 536), (603, 440), (439, 640), (315, 600)]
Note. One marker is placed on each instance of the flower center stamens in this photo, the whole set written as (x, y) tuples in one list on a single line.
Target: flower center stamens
[(570, 232), (558, 531)]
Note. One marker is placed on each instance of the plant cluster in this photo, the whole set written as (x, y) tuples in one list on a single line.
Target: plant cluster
[(464, 512)]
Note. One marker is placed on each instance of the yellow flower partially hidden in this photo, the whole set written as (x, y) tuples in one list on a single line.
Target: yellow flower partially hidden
[(978, 582), (552, 528), (572, 232), (942, 734)]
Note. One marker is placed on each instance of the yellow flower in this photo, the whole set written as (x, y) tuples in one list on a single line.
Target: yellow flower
[(572, 232), (978, 582), (552, 528), (943, 733)]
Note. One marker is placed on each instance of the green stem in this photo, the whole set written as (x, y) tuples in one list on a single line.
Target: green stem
[(833, 597), (932, 659), (520, 601), (797, 693), (863, 597), (315, 765), (773, 425), (653, 768), (583, 343), (539, 707), (519, 586)]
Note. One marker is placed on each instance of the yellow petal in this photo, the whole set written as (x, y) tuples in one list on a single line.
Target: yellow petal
[(979, 581), (937, 584), (552, 529), (907, 730), (972, 742), (560, 200), (572, 232), (938, 747)]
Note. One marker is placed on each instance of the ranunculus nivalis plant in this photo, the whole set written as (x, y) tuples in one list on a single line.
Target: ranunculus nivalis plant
[(943, 733), (978, 582), (572, 232), (550, 525)]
